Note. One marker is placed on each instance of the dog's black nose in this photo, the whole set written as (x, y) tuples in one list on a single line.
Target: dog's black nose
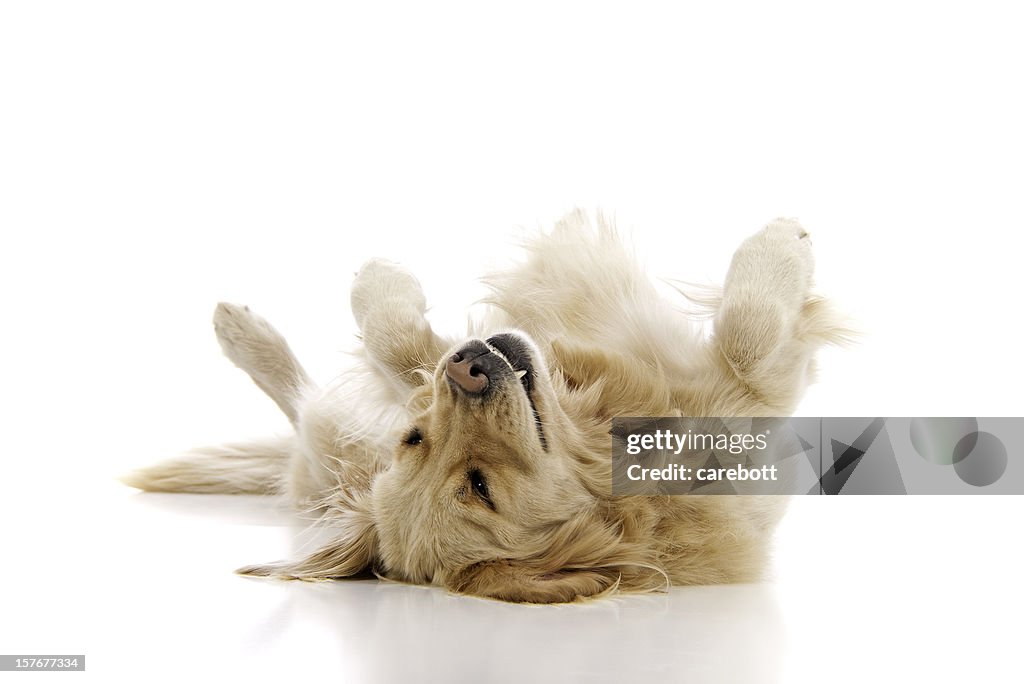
[(470, 366)]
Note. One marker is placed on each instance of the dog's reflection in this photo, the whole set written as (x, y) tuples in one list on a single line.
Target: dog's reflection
[(394, 632), (386, 631)]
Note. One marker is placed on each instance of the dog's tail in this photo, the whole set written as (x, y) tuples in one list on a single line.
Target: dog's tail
[(258, 467)]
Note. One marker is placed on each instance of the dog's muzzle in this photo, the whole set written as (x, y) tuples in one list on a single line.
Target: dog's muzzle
[(479, 365), (472, 367)]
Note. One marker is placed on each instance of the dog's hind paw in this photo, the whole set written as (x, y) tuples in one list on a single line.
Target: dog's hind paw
[(256, 347), (246, 338)]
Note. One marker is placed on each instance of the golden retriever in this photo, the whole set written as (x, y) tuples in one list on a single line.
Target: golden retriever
[(483, 465)]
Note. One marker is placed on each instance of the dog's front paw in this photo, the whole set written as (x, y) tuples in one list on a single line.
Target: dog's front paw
[(789, 244), (380, 281), (777, 260)]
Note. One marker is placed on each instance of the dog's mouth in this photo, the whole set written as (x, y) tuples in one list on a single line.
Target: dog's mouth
[(517, 354), (514, 352), (480, 366)]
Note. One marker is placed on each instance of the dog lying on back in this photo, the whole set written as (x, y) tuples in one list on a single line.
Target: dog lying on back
[(483, 465)]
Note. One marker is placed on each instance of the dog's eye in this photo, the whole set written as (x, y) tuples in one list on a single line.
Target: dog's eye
[(479, 482), (413, 437)]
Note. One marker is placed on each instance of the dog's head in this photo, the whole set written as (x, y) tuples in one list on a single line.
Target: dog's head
[(489, 491), (483, 486)]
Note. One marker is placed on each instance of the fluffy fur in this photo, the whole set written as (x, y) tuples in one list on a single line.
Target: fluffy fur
[(507, 495)]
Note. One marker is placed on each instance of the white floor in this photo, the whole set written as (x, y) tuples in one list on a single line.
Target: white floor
[(889, 589)]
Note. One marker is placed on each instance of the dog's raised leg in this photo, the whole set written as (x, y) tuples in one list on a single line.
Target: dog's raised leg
[(256, 347), (389, 306), (254, 467), (769, 325)]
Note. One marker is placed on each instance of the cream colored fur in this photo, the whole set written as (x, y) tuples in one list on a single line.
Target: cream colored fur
[(604, 344)]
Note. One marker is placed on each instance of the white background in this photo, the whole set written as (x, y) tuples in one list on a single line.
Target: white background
[(157, 158)]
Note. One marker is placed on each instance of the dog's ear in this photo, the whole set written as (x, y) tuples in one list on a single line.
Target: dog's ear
[(584, 557), (520, 583), (351, 553)]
